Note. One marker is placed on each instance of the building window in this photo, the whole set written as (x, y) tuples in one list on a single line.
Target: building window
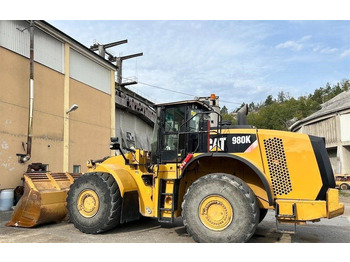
[(76, 168)]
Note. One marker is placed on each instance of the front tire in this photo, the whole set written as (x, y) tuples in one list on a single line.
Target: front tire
[(220, 208), (263, 213), (94, 203)]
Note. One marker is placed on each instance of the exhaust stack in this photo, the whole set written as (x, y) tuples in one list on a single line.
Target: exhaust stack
[(242, 115)]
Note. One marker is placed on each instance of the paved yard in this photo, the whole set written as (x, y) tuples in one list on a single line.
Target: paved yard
[(147, 230)]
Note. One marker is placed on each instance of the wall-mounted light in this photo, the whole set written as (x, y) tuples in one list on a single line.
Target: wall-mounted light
[(72, 108)]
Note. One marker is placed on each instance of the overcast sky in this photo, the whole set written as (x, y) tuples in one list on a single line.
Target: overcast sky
[(240, 61)]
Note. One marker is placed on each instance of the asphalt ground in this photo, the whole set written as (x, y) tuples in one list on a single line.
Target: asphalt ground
[(147, 230)]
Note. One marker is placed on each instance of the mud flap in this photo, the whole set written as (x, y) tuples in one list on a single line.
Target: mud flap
[(130, 207), (44, 199)]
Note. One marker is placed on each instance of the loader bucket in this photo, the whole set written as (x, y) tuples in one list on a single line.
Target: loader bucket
[(44, 199)]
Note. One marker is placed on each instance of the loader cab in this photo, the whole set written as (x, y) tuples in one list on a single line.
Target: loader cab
[(181, 128)]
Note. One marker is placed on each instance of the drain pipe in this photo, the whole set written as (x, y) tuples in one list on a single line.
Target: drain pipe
[(26, 157)]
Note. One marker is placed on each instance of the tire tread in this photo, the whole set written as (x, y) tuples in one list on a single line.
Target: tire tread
[(236, 182), (113, 218)]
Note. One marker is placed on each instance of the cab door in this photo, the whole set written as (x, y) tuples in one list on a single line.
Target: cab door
[(184, 129)]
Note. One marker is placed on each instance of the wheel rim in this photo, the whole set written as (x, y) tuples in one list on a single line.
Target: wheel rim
[(343, 187), (88, 203), (215, 212)]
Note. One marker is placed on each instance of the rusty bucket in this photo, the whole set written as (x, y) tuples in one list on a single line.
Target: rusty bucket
[(43, 200)]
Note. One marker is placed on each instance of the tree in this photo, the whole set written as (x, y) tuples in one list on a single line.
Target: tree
[(226, 116), (224, 110), (281, 113), (281, 97), (345, 84), (269, 100), (252, 107)]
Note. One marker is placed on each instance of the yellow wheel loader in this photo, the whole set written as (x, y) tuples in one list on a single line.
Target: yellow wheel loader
[(220, 179), (342, 182)]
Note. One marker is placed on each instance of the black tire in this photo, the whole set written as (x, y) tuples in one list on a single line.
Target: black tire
[(110, 201), (263, 213), (344, 186), (239, 196)]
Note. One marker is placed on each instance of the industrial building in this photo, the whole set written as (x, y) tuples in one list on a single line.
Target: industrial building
[(332, 122), (77, 104)]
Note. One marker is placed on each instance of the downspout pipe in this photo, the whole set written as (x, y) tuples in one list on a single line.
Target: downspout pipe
[(26, 157)]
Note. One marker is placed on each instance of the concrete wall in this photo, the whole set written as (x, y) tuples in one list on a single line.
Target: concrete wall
[(65, 73), (90, 125), (89, 130), (335, 128), (345, 128), (133, 131), (48, 116), (134, 119), (344, 147)]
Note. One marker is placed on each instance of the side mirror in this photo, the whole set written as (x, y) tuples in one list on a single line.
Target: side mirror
[(114, 139), (114, 143), (114, 146)]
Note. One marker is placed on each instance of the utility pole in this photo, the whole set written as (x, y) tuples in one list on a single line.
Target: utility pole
[(119, 60), (102, 48)]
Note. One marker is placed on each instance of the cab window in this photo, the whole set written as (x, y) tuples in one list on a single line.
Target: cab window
[(173, 122), (174, 118)]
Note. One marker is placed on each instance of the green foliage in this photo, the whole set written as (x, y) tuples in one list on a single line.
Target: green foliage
[(226, 116), (224, 110), (269, 101), (229, 117), (282, 112)]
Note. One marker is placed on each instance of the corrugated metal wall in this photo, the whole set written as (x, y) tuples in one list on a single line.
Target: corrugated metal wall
[(325, 128), (47, 49), (88, 72), (50, 52)]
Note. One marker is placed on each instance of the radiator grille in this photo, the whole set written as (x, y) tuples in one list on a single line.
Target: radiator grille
[(276, 160)]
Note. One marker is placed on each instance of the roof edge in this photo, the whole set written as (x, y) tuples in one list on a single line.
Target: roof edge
[(184, 102), (55, 32)]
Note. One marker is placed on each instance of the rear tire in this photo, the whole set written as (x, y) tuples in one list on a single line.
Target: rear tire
[(220, 208), (344, 186), (94, 203)]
